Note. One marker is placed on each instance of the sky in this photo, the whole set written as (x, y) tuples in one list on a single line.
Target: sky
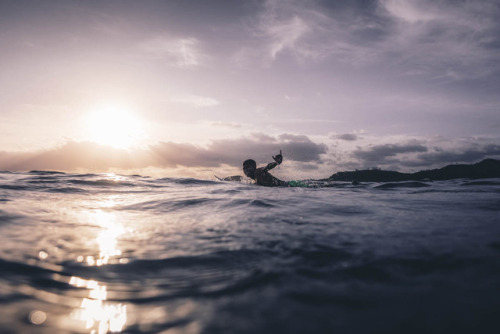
[(193, 88)]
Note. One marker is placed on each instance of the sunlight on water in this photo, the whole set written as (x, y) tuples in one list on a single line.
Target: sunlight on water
[(107, 239), (99, 317), (193, 256), (109, 202), (113, 177)]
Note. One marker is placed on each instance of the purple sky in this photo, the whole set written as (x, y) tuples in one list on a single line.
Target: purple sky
[(195, 87)]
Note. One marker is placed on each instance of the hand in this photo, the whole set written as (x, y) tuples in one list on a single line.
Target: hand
[(278, 158)]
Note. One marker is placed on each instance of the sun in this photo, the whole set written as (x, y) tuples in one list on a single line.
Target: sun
[(114, 126)]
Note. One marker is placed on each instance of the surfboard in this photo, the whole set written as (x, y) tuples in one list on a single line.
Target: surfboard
[(235, 178), (297, 184)]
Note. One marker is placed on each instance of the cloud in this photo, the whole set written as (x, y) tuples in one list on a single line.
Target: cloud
[(74, 155), (410, 11), (436, 39), (234, 151), (179, 52), (444, 38), (285, 34), (472, 153), (380, 153), (426, 155), (230, 125), (302, 156), (91, 156), (196, 101), (309, 167), (262, 137), (289, 27), (348, 136)]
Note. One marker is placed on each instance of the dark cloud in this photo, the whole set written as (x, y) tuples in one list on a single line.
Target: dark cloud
[(261, 147), (361, 17), (415, 155), (465, 155), (380, 153), (301, 148), (432, 41), (233, 152), (348, 136)]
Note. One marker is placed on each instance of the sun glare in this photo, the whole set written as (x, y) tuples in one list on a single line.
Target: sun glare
[(114, 126)]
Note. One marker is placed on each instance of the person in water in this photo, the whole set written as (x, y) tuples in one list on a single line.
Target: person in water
[(261, 175)]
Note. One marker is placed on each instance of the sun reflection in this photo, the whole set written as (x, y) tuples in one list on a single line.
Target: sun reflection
[(111, 200), (99, 316), (107, 239)]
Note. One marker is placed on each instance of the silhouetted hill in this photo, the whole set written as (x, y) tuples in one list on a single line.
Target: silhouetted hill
[(488, 168)]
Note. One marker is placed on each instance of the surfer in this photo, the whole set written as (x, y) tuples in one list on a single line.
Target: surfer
[(261, 175)]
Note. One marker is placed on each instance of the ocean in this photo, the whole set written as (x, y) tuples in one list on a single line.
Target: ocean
[(105, 253)]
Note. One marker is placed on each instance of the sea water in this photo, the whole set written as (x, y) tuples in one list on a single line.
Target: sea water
[(102, 253)]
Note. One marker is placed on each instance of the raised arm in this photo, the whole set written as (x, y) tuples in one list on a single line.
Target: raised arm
[(278, 159)]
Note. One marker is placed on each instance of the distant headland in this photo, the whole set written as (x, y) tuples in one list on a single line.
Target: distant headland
[(488, 168)]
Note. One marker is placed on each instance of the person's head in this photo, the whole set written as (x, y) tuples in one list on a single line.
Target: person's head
[(249, 167)]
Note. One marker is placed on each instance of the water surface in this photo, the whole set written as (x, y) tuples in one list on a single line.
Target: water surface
[(101, 253)]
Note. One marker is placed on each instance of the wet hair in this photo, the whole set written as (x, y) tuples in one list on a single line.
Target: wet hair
[(249, 167), (249, 163)]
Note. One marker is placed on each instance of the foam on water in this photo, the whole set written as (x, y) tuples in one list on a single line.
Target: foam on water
[(104, 253)]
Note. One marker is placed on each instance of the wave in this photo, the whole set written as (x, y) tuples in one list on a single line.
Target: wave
[(66, 190), (85, 175), (44, 172), (481, 183), (192, 181), (33, 270), (259, 203), (169, 205), (102, 183), (215, 261), (6, 217), (219, 273), (42, 179), (243, 251), (395, 185), (16, 187), (189, 203)]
